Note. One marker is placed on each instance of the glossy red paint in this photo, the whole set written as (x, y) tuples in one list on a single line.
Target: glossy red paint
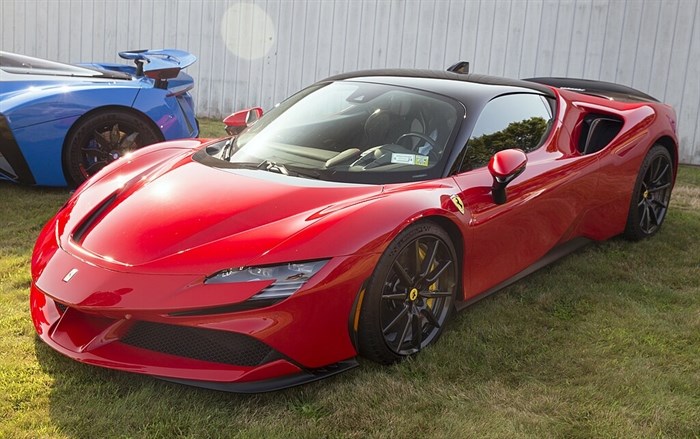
[(240, 119), (147, 231), (507, 163)]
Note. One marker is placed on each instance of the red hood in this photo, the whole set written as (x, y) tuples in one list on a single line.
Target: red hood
[(166, 213)]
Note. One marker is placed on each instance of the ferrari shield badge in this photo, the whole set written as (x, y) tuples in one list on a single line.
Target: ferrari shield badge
[(458, 203)]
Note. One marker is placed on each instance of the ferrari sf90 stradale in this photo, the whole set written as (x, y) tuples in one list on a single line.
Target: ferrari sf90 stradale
[(351, 219)]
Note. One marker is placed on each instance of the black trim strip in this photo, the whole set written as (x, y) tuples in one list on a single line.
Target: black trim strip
[(10, 150), (272, 384), (190, 129)]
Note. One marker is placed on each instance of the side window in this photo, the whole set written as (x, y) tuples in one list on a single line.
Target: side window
[(510, 121)]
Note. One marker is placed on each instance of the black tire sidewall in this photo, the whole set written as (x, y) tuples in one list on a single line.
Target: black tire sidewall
[(633, 230), (84, 130), (370, 335)]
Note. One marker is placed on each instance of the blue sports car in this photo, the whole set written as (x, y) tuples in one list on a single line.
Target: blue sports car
[(61, 123)]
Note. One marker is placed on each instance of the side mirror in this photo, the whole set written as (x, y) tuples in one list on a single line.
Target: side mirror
[(504, 167), (236, 122)]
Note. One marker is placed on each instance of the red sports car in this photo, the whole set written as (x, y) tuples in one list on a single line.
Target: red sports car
[(351, 219)]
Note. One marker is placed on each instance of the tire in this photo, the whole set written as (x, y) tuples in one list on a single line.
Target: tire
[(403, 311), (119, 133), (651, 195)]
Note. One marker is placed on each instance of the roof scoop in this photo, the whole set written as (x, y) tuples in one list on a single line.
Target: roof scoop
[(461, 67)]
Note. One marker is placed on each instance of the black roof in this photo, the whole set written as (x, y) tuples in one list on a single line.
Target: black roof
[(442, 74)]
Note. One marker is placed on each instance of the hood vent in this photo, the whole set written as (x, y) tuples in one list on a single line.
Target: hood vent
[(87, 223)]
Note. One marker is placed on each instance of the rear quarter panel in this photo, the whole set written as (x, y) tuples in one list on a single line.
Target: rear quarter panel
[(644, 123)]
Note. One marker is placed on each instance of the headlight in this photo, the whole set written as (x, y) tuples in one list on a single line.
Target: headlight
[(287, 278)]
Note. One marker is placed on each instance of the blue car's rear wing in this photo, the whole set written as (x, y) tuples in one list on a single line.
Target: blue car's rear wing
[(159, 65)]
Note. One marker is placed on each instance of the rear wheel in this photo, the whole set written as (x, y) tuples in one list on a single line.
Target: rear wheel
[(652, 193), (102, 138), (410, 295)]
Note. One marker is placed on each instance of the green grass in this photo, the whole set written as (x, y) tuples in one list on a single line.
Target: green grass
[(212, 128), (604, 343)]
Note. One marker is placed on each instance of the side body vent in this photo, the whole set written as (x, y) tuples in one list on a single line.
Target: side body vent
[(597, 131)]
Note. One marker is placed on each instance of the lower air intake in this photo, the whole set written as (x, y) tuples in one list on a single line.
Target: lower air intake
[(198, 343)]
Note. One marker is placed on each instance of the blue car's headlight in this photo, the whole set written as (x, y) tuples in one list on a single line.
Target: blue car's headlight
[(287, 278)]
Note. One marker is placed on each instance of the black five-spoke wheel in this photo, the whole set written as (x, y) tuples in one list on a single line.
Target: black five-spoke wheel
[(411, 294), (652, 194)]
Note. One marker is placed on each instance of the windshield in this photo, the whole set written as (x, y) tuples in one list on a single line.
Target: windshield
[(350, 132)]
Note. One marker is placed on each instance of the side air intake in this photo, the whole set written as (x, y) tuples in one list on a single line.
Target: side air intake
[(597, 131)]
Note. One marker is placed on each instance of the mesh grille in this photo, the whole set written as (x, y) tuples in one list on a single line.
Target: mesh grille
[(198, 343)]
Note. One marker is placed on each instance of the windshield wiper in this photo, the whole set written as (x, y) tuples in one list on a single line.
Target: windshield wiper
[(273, 167), (270, 166)]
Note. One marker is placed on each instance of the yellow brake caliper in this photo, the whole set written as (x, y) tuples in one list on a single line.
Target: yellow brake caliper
[(421, 254)]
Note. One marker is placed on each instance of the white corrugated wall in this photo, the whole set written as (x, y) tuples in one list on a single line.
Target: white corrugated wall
[(259, 52)]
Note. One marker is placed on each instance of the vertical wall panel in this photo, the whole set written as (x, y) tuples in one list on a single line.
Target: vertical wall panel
[(454, 27), (563, 38), (688, 109), (547, 37), (439, 37), (499, 38), (578, 45), (596, 40), (645, 45), (631, 30), (528, 56), (661, 59), (424, 34), (269, 49), (514, 46), (395, 20)]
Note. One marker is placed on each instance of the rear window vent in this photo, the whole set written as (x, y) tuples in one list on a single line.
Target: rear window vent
[(597, 131)]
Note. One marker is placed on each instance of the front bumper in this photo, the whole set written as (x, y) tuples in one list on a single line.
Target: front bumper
[(190, 355), (177, 328)]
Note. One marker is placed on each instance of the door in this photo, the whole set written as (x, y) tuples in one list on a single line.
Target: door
[(543, 204)]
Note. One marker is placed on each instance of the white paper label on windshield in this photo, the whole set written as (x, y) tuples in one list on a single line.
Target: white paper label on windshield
[(410, 159)]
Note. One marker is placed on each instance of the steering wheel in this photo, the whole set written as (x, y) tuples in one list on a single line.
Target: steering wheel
[(430, 141)]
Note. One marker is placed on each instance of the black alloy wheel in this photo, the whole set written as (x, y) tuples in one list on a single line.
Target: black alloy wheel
[(411, 294), (103, 138), (652, 194)]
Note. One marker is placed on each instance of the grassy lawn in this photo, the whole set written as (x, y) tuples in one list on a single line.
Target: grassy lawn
[(604, 343)]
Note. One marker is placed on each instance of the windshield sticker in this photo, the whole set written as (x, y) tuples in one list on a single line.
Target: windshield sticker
[(410, 159)]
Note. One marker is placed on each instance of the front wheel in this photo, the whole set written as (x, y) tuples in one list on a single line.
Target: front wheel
[(102, 138), (652, 193), (410, 295)]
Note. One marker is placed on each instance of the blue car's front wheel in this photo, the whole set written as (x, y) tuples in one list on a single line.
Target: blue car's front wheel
[(101, 138)]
